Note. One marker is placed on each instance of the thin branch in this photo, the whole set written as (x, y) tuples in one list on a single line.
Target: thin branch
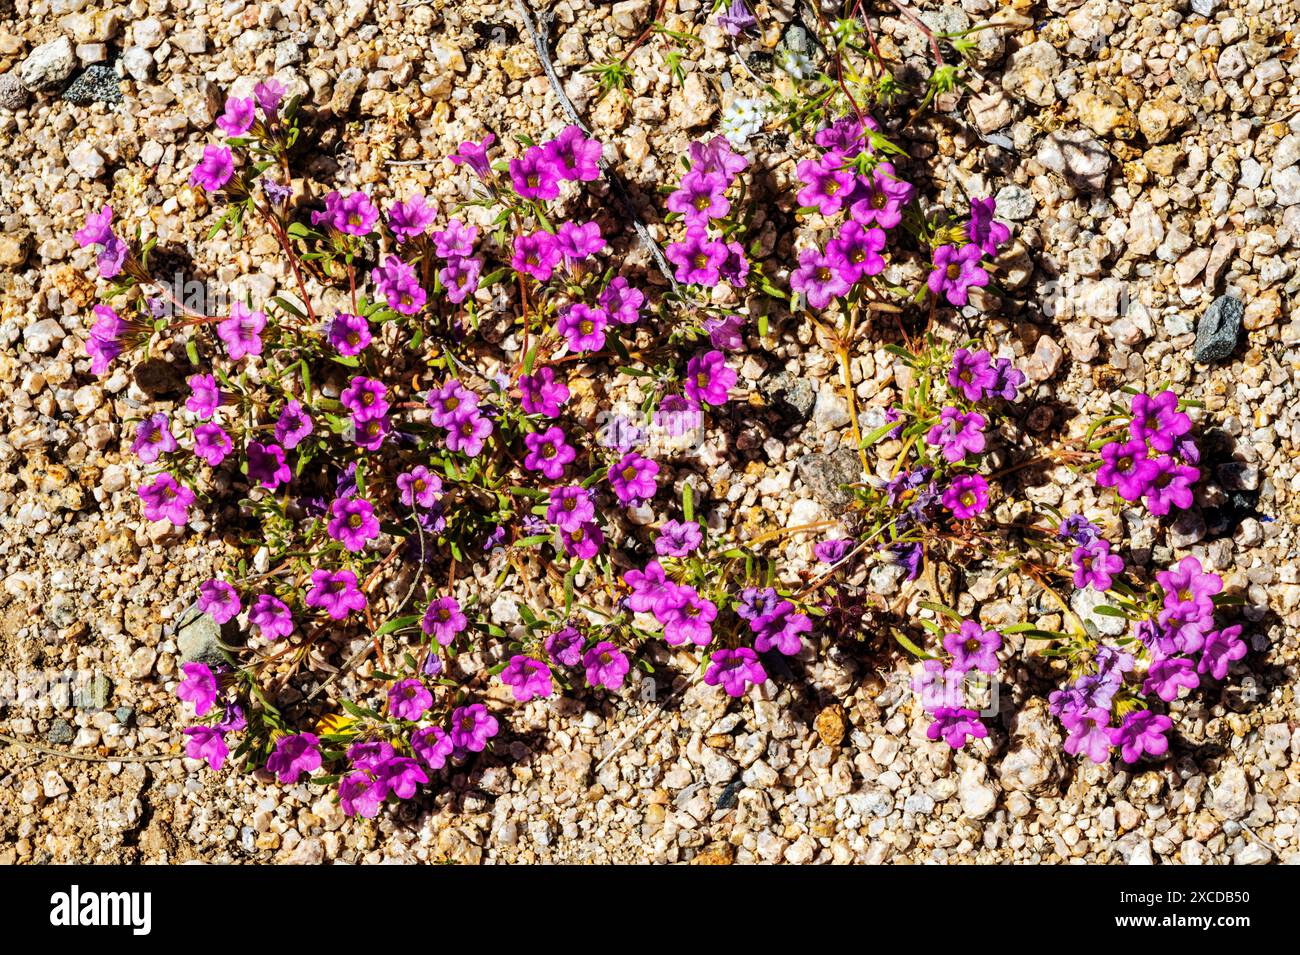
[(85, 757)]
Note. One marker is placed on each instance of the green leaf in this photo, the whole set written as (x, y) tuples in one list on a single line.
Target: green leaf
[(688, 501), (398, 623)]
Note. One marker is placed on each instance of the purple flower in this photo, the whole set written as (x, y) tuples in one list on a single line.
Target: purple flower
[(647, 587), (845, 136), (349, 334), (460, 278), (218, 600), (1126, 467), (365, 398), (708, 379), (678, 538), (1141, 732), (582, 327), (565, 647), (535, 254), (469, 435), (736, 19), (573, 156), (242, 331), (685, 615), (606, 666), (266, 465), (361, 794), (1079, 529), (621, 302), (548, 452), (1009, 379), (211, 443), (534, 175), (957, 434), (956, 271), (370, 434), (1220, 649), (353, 523), (153, 438), (214, 170), (204, 395), (208, 743), (828, 184), (883, 198), (1095, 566), (277, 192), (98, 229), (271, 616), (983, 230), (735, 670), (966, 496), (699, 197), (939, 686), (471, 727), (335, 592), (584, 542), (432, 746), (1171, 486), (909, 557), (833, 550), (419, 487), (1090, 735), (527, 678), (293, 425), (443, 620), (781, 628), (398, 284), (456, 241), (1189, 592), (698, 258), (954, 726), (856, 251), (1165, 677), (269, 94), (408, 699), (104, 343), (577, 241), (199, 687), (164, 499), (352, 214), (974, 648), (294, 755), (633, 479), (1157, 421), (716, 155), (452, 404), (238, 117), (475, 156), (972, 374), (570, 507), (819, 277), (411, 218)]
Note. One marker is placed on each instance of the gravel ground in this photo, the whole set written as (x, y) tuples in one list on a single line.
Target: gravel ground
[(1148, 156)]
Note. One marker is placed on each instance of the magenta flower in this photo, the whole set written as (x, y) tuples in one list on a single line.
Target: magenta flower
[(535, 254), (606, 666), (678, 538), (214, 170), (335, 592), (460, 278), (469, 435), (724, 332), (966, 496), (1171, 487), (293, 756), (972, 374), (534, 175), (411, 218), (708, 379), (207, 743), (781, 628), (828, 184), (1189, 591), (577, 241), (565, 647), (98, 229), (398, 284), (371, 433), (983, 230), (353, 523), (699, 197), (1220, 649), (527, 678), (164, 499), (548, 452), (419, 487), (349, 334), (819, 277), (104, 343), (293, 425), (1157, 421), (698, 258), (1095, 566), (1166, 676), (211, 443), (1126, 467), (884, 197), (647, 587), (238, 117), (443, 620), (362, 794), (845, 136), (353, 214), (583, 543), (1008, 379), (432, 746), (856, 251), (475, 156), (621, 302), (218, 600), (456, 241), (204, 397), (570, 507), (271, 616), (716, 155), (573, 156), (686, 616), (199, 687), (735, 670), (1142, 732), (452, 404), (153, 438), (365, 398), (957, 434), (542, 394), (408, 699), (266, 465), (583, 327), (973, 648), (954, 726), (1090, 735), (471, 728), (956, 271), (939, 686), (242, 331), (269, 94), (633, 479)]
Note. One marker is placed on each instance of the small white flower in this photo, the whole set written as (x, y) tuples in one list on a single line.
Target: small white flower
[(741, 120)]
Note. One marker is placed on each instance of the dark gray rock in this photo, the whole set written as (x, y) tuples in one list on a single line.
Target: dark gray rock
[(198, 638), (13, 95), (825, 473), (98, 84), (60, 733), (1218, 329), (791, 396)]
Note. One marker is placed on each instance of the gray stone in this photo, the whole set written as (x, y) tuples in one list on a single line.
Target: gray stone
[(1015, 203), (1032, 764), (95, 694), (791, 395), (60, 733), (198, 638), (98, 84), (1218, 329), (1085, 603), (48, 65), (13, 95), (823, 474), (1077, 158)]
